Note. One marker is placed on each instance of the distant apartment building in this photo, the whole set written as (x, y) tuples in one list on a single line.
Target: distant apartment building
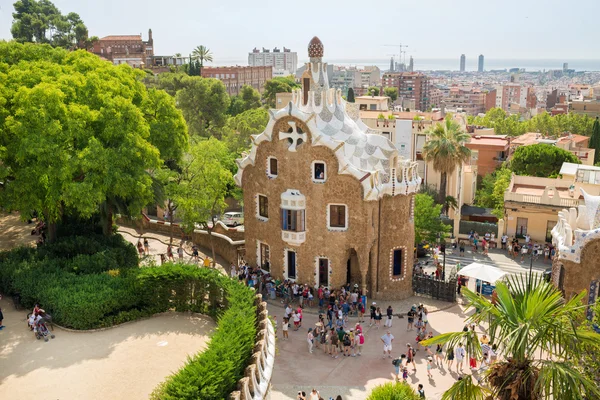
[(435, 96), (490, 99), (463, 61), (281, 61), (511, 93), (370, 76), (344, 78), (591, 108), (492, 151), (578, 145), (480, 63), (413, 86), (126, 49), (235, 77), (465, 99)]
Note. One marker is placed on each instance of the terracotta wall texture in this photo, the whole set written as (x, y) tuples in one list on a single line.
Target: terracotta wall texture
[(366, 242), (578, 276)]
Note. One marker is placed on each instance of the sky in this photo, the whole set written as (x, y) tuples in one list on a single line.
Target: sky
[(349, 30)]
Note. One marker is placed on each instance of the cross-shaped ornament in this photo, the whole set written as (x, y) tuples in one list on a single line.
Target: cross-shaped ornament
[(295, 136)]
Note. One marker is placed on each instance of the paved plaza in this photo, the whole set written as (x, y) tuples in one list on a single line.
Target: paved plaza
[(125, 362), (354, 377)]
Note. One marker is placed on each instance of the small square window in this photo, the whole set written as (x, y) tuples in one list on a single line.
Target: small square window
[(273, 166), (263, 206), (337, 216), (319, 171)]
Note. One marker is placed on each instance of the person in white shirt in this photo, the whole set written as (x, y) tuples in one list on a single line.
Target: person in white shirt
[(233, 271)]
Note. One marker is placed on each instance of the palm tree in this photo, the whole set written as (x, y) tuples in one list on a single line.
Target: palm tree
[(446, 149), (540, 338), (201, 54)]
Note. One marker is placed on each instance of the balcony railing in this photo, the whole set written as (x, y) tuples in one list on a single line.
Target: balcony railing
[(293, 237), (542, 200)]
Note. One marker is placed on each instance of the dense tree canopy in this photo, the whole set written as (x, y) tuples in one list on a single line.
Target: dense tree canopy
[(79, 132), (248, 99), (278, 85), (541, 160), (543, 123), (204, 103), (41, 22), (239, 129), (491, 191), (428, 224), (208, 179), (391, 92)]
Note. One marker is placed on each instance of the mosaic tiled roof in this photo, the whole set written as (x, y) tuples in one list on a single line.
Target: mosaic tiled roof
[(367, 155), (315, 48)]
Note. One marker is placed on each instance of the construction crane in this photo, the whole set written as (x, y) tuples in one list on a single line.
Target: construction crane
[(400, 51)]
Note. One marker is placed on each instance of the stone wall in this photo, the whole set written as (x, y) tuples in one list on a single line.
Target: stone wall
[(256, 383), (397, 233), (228, 249), (577, 276)]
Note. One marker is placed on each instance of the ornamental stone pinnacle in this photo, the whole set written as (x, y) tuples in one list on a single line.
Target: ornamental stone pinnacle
[(315, 48)]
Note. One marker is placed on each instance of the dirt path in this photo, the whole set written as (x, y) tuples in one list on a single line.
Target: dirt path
[(14, 232), (125, 362)]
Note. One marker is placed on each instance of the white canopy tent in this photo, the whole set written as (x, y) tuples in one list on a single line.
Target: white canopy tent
[(485, 273)]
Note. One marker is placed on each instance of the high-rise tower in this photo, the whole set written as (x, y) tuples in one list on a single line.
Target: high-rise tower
[(463, 60), (480, 64)]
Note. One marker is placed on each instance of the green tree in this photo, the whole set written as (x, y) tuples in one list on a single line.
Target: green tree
[(204, 103), (538, 334), (351, 95), (41, 22), (391, 92), (541, 160), (446, 149), (278, 85), (248, 99), (202, 54), (202, 192), (78, 134), (393, 391), (168, 131), (595, 140), (428, 224), (239, 129), (491, 192), (373, 91), (170, 82)]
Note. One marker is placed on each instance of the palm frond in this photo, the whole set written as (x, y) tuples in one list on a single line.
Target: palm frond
[(466, 389), (560, 380)]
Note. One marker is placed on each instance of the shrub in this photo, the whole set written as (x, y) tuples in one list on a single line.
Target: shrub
[(89, 282), (393, 391), (214, 373)]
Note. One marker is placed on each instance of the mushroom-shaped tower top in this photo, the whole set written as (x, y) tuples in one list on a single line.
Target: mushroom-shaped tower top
[(315, 48)]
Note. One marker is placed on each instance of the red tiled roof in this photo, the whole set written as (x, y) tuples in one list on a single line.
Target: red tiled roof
[(122, 37)]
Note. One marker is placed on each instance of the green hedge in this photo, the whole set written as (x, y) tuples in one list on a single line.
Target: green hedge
[(214, 373), (90, 281), (393, 391)]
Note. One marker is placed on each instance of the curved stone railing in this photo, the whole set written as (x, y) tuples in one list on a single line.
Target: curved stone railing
[(256, 384)]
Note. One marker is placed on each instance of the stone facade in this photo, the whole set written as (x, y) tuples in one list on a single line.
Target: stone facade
[(573, 277), (373, 247)]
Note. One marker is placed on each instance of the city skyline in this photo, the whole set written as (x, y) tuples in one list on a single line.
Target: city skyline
[(218, 34)]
